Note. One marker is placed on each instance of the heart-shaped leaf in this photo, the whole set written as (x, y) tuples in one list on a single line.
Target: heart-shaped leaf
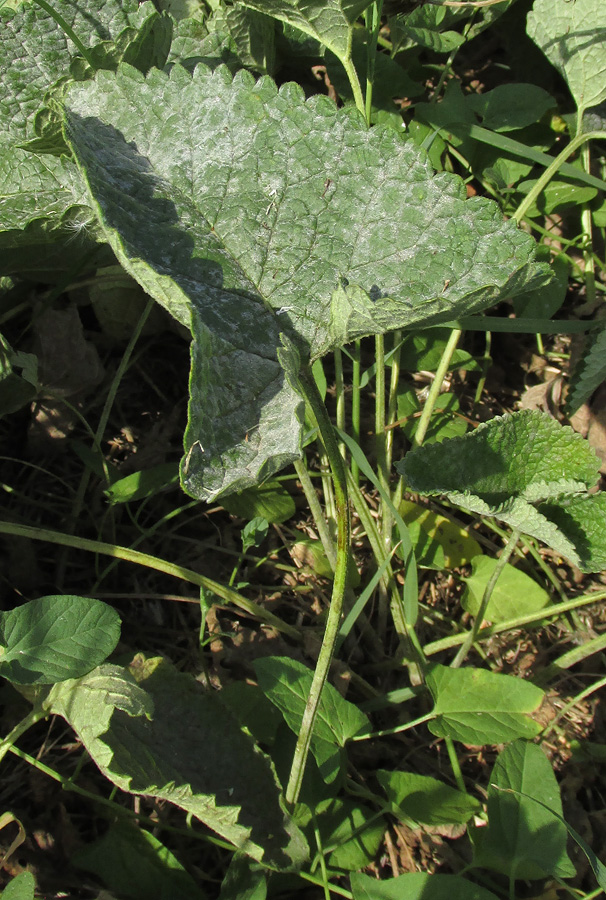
[(249, 212)]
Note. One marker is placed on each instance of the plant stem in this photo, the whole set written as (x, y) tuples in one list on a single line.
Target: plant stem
[(355, 404), (340, 396), (316, 511), (373, 24), (69, 31), (473, 634), (551, 170), (33, 716), (333, 621), (152, 562), (436, 387), (354, 82)]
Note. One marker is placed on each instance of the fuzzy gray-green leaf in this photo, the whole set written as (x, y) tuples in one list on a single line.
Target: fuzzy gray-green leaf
[(249, 212)]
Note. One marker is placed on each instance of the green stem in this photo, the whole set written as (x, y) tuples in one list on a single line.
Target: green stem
[(355, 404), (69, 31), (102, 425), (454, 764), (354, 82), (387, 732), (152, 562), (488, 590), (436, 387), (33, 716), (340, 396), (373, 24), (587, 227), (333, 621), (536, 618), (315, 508), (551, 170)]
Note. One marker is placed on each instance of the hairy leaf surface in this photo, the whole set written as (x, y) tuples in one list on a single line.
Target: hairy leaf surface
[(572, 35), (190, 751), (524, 469), (249, 212)]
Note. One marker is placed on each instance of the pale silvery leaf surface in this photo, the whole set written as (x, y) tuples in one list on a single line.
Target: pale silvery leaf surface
[(572, 35), (250, 211), (328, 21), (521, 469), (153, 731)]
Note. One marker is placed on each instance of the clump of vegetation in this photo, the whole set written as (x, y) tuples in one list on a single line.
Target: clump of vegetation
[(355, 541)]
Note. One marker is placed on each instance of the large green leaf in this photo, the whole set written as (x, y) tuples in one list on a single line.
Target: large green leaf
[(55, 638), (249, 212), (523, 839), (515, 593), (572, 34), (287, 682), (190, 751), (527, 470), (480, 707), (328, 21), (417, 886)]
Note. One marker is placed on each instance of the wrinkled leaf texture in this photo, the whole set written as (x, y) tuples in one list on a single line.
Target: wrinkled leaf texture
[(276, 228)]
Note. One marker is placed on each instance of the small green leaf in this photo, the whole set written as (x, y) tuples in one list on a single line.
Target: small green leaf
[(573, 37), (55, 638), (191, 752), (444, 422), (350, 833), (21, 887), (511, 106), (245, 879), (270, 501), (143, 484), (328, 21), (523, 839), (478, 707), (438, 542), (287, 683), (417, 886), (515, 593), (583, 521), (134, 864), (425, 800)]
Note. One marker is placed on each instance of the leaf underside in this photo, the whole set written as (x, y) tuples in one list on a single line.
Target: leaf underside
[(260, 219), (190, 751)]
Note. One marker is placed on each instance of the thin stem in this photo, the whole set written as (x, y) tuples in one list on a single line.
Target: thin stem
[(436, 387), (536, 618), (551, 170), (587, 227), (373, 24), (100, 431), (354, 82), (340, 396), (387, 732), (454, 764), (355, 404), (152, 562), (488, 590), (315, 508), (33, 716), (333, 621)]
